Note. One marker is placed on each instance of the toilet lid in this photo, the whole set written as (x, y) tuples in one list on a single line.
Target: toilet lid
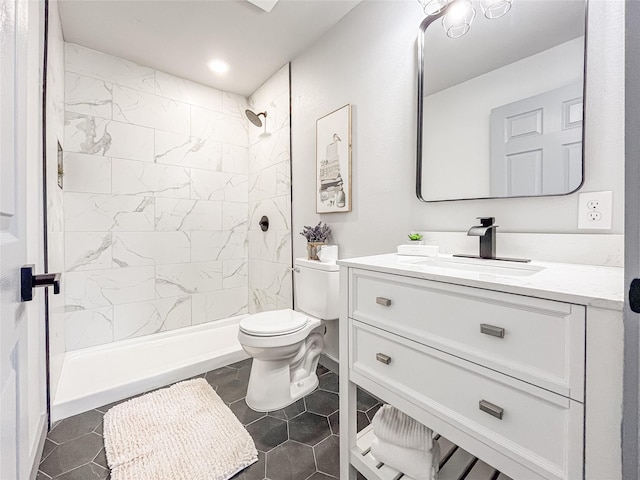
[(277, 322)]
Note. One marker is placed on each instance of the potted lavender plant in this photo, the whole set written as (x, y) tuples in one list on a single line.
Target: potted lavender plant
[(316, 237)]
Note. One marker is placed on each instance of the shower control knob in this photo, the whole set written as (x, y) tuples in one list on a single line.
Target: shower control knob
[(264, 223)]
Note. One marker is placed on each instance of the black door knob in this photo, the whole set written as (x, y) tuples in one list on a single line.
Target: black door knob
[(634, 295), (29, 281)]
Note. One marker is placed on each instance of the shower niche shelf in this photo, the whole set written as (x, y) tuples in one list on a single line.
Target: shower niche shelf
[(455, 463)]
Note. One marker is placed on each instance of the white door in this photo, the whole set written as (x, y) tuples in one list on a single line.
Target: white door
[(536, 144), (22, 356)]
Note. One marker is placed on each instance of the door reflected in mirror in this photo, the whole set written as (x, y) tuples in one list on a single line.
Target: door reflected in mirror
[(500, 110)]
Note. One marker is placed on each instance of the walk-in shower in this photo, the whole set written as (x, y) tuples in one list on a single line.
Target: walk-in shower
[(161, 248)]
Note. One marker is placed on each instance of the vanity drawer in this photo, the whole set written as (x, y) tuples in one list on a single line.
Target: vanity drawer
[(539, 341), (535, 426)]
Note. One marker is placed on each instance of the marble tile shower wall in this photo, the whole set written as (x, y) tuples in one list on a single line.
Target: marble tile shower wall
[(157, 199), (270, 281)]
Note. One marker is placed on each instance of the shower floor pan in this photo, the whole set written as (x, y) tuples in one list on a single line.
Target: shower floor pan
[(108, 373)]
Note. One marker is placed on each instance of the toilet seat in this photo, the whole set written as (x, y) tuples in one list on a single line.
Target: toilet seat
[(274, 323)]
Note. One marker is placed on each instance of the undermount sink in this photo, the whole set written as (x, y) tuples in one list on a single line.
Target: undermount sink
[(490, 267)]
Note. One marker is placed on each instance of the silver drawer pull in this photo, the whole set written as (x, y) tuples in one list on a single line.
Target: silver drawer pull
[(491, 409), (385, 302), (491, 330), (381, 357)]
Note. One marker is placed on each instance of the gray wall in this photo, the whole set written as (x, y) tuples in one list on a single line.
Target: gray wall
[(369, 61)]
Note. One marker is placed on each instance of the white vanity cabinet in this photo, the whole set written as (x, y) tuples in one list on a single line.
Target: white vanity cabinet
[(501, 374)]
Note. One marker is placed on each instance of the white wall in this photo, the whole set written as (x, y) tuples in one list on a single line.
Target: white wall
[(161, 223), (457, 131), (369, 60), (156, 192), (270, 195)]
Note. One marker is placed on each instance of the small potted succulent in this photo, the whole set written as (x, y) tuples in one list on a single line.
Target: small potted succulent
[(415, 238), (316, 237)]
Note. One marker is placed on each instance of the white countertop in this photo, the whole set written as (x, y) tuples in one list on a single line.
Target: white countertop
[(580, 284)]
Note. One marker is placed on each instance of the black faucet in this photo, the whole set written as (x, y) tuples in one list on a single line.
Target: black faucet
[(487, 233)]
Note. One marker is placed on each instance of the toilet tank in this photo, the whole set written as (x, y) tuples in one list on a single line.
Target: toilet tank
[(316, 288)]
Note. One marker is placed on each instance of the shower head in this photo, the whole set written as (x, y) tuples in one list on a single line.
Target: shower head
[(255, 117)]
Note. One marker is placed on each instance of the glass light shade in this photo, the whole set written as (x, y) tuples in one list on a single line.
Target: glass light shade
[(458, 19), (433, 7), (495, 8)]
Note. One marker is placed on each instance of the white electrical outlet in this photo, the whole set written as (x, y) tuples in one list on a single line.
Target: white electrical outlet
[(595, 210)]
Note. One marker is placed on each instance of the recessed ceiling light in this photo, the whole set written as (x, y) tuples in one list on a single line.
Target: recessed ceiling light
[(218, 66)]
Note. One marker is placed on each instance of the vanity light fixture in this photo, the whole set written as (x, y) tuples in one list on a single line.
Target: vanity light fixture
[(458, 18), (495, 8), (457, 15), (218, 66), (433, 7)]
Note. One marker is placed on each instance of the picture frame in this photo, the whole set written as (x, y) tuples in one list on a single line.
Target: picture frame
[(333, 161)]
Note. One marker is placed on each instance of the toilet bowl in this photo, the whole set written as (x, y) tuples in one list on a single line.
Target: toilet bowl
[(286, 344), (284, 363)]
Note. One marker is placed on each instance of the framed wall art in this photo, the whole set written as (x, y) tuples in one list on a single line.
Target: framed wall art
[(333, 162)]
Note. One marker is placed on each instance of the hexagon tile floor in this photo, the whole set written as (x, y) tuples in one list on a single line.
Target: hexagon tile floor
[(299, 442)]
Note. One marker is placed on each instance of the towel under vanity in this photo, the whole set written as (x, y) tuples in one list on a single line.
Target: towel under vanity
[(404, 444)]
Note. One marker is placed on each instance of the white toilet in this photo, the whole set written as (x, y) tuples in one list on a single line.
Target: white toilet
[(286, 344)]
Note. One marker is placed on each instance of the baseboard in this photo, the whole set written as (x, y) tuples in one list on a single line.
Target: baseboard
[(39, 446), (329, 362)]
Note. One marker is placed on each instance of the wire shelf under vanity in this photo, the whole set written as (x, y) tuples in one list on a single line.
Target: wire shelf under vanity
[(455, 463)]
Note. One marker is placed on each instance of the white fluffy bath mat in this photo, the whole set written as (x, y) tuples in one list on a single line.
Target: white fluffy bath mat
[(184, 432)]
